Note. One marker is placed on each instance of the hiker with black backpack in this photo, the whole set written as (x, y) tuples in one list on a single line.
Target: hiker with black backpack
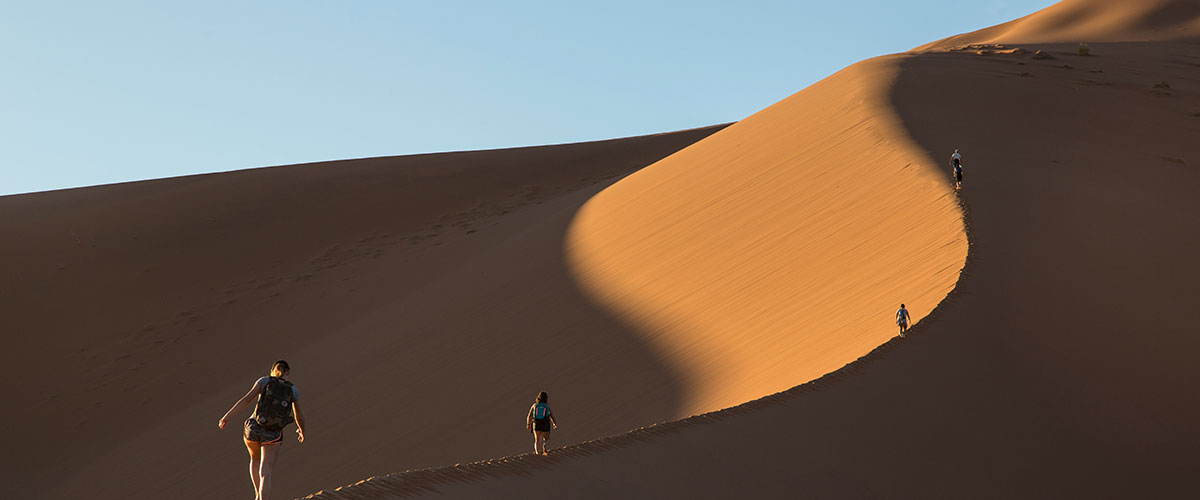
[(957, 167), (276, 405), (540, 421)]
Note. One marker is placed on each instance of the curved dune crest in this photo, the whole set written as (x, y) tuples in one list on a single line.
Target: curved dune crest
[(778, 249)]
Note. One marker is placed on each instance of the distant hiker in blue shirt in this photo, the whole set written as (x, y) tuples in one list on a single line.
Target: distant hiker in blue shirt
[(902, 319), (540, 421)]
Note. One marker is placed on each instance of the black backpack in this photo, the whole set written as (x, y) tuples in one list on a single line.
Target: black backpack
[(274, 408)]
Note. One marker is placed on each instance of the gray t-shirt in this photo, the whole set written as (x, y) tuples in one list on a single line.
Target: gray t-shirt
[(262, 382)]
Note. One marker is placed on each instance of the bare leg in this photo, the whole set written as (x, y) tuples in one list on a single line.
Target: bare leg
[(255, 455), (270, 453), (536, 439)]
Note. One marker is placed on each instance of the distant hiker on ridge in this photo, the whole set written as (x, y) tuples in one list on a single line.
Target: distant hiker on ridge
[(540, 421), (902, 319), (956, 162), (277, 406)]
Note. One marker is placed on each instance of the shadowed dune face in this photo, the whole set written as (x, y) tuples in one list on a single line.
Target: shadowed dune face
[(778, 249), (422, 301), (1085, 186)]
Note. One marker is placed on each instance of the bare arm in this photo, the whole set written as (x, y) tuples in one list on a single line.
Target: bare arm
[(529, 418), (299, 421), (239, 406), (550, 413)]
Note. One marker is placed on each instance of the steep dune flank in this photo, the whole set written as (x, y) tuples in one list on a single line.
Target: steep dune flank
[(778, 249), (405, 291), (1091, 21)]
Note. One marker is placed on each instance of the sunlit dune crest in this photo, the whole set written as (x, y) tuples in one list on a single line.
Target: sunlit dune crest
[(778, 249)]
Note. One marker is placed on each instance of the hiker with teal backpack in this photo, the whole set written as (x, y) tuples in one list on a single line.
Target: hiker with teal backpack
[(902, 319), (276, 405), (540, 421)]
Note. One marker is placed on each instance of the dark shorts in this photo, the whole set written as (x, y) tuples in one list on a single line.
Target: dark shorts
[(542, 425), (254, 432)]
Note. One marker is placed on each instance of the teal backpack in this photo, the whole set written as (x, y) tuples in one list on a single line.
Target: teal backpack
[(541, 411)]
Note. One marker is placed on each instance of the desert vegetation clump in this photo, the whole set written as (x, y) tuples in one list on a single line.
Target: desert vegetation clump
[(1084, 50)]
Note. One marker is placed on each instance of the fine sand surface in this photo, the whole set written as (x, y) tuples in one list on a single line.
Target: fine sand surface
[(1062, 364), (422, 302)]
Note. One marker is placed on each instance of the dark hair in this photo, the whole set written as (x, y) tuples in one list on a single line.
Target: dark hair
[(282, 366), (543, 397), (901, 306)]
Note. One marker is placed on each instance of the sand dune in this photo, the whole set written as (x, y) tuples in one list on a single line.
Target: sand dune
[(407, 293), (1060, 365), (422, 300)]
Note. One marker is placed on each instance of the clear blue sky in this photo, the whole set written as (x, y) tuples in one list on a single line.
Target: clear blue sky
[(101, 92)]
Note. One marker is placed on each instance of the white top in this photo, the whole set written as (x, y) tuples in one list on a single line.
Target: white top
[(956, 156)]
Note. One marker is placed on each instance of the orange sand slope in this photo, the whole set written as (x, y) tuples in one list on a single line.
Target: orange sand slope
[(1060, 366), (406, 292), (779, 249)]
